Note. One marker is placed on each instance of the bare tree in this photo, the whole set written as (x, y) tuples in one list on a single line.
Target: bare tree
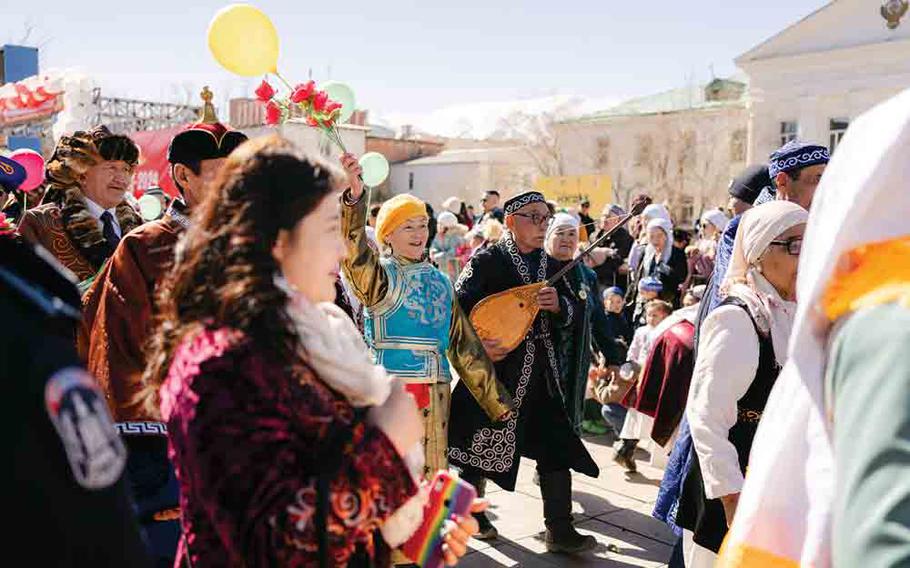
[(717, 147), (538, 134), (685, 160), (31, 37), (624, 189)]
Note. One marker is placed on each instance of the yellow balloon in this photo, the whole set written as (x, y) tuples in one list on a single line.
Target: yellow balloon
[(244, 40)]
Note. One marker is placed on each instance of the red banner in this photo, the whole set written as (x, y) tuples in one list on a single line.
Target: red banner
[(153, 168)]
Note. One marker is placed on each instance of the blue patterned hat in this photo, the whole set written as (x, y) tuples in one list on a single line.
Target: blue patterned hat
[(615, 290), (650, 284), (12, 174), (794, 155)]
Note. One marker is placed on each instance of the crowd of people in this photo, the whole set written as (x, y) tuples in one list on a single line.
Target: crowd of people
[(271, 372)]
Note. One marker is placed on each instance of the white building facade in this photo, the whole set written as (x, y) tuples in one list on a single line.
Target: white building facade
[(464, 173), (680, 147), (811, 79)]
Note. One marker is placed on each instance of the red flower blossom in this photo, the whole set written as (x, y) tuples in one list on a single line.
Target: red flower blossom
[(311, 121), (320, 99), (6, 225), (302, 93), (272, 113), (265, 92), (332, 107)]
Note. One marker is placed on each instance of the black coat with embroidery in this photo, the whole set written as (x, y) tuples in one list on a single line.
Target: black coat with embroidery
[(531, 373), (590, 330)]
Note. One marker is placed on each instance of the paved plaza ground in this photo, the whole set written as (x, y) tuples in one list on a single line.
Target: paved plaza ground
[(615, 508)]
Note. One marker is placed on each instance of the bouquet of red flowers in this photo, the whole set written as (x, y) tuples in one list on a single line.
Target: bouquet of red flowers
[(6, 225), (319, 111)]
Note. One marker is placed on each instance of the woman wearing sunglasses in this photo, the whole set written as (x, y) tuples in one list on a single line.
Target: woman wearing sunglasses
[(742, 347)]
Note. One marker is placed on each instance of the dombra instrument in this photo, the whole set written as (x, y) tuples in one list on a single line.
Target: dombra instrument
[(507, 316)]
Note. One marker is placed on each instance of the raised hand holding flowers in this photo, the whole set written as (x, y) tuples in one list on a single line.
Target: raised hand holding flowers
[(317, 108)]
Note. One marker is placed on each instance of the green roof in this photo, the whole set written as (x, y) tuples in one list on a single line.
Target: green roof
[(685, 98)]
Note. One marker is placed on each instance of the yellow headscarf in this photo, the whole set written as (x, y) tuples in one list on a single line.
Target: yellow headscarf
[(396, 211)]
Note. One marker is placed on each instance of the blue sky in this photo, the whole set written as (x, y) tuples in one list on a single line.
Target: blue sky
[(414, 56)]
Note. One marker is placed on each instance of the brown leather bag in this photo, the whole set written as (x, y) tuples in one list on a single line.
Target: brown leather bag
[(611, 387)]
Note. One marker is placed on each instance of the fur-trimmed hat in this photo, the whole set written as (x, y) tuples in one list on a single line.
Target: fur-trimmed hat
[(75, 154)]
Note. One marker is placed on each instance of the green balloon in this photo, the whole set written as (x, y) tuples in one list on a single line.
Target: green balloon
[(341, 93), (149, 207), (375, 168)]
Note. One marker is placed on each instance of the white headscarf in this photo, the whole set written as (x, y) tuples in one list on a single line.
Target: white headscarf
[(561, 221), (446, 220), (650, 251), (452, 204), (785, 506), (657, 211), (758, 227), (717, 218)]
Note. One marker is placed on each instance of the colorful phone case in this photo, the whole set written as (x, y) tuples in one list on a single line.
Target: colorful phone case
[(449, 495)]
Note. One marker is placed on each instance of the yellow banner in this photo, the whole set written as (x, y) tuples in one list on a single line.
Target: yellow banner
[(568, 191)]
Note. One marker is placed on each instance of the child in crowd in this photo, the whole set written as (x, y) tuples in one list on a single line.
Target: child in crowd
[(614, 413), (634, 424), (649, 288), (620, 329)]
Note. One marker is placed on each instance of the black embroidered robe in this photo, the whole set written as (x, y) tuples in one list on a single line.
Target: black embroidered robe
[(540, 428)]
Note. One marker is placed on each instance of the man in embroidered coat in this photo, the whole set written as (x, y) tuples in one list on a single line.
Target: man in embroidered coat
[(117, 319), (84, 213), (539, 428)]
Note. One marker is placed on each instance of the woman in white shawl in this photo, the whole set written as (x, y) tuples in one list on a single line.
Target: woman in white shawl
[(828, 481), (713, 223), (650, 213), (742, 348), (659, 258)]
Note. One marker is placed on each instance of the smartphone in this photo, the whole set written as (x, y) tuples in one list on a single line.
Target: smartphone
[(449, 495)]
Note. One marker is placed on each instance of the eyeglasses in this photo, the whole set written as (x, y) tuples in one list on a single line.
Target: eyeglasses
[(536, 218), (793, 245)]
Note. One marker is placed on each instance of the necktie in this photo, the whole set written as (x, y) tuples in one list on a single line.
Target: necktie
[(110, 234)]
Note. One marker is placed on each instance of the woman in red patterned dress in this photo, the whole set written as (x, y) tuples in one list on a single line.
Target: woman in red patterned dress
[(291, 447)]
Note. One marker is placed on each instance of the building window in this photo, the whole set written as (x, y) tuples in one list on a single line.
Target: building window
[(687, 210), (644, 149), (738, 145), (837, 127), (788, 131), (602, 153), (687, 149), (410, 181)]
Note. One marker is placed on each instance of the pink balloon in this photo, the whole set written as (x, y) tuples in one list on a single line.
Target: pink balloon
[(34, 168)]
